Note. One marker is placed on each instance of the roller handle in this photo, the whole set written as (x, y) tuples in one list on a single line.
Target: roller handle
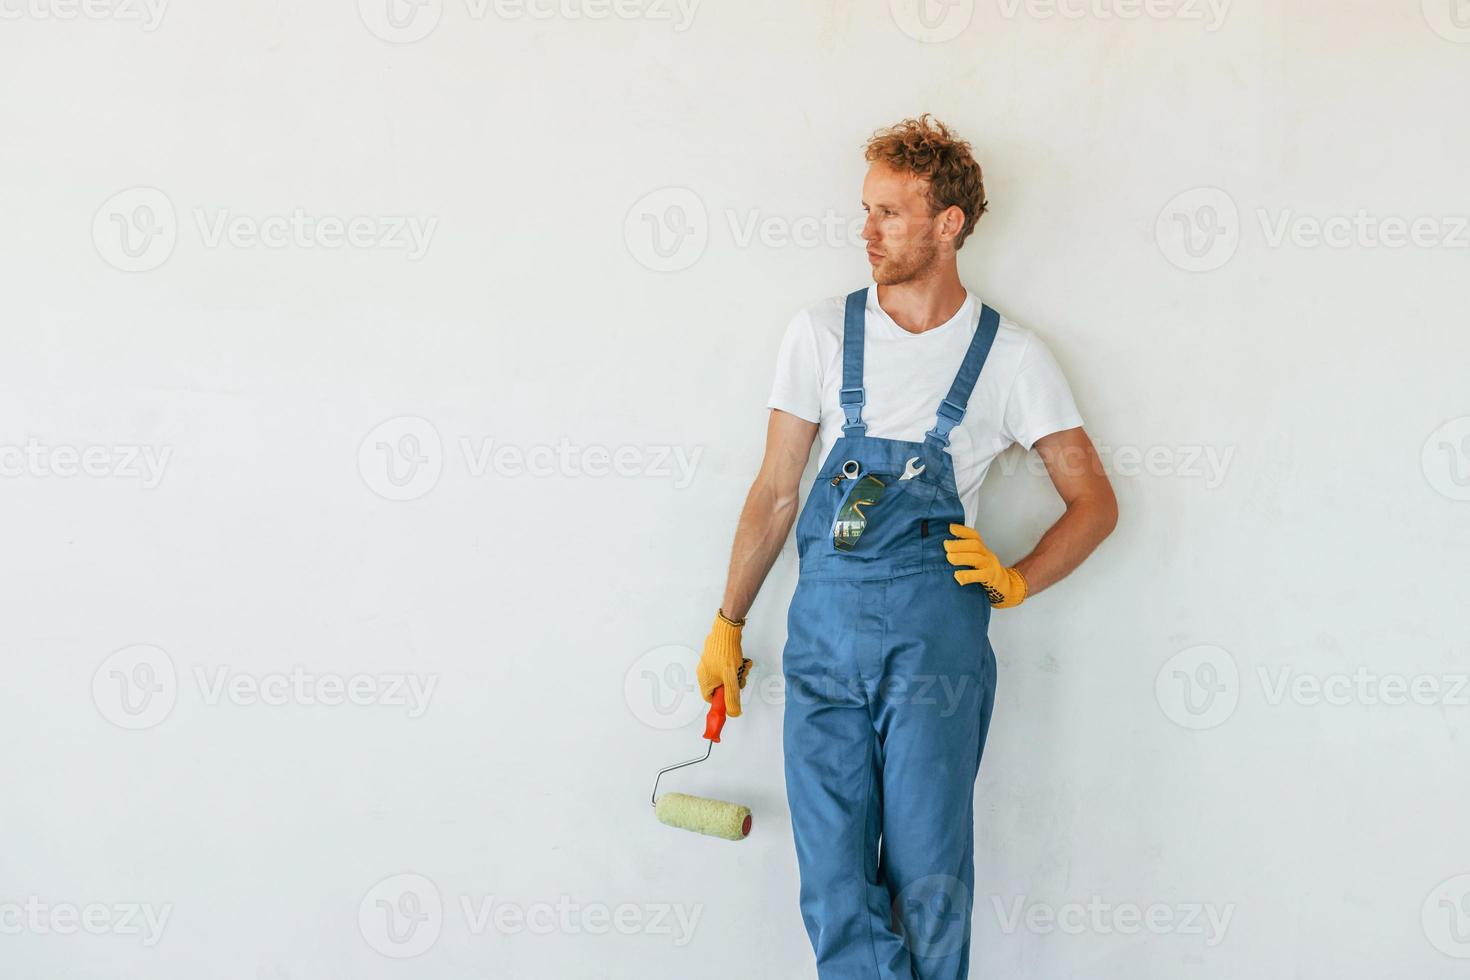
[(715, 720)]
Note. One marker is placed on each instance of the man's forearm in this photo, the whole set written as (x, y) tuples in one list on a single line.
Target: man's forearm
[(1068, 542), (764, 523)]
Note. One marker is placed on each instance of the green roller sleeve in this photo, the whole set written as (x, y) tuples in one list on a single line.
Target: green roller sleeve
[(704, 816)]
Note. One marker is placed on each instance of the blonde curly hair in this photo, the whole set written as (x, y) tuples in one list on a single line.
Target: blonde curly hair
[(926, 148)]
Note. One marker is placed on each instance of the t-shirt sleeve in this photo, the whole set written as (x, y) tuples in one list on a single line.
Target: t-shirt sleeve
[(1040, 401), (797, 387)]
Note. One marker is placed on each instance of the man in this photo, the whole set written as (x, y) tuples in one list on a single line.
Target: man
[(914, 387)]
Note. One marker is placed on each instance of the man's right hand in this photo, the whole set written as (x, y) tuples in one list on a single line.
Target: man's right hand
[(723, 664)]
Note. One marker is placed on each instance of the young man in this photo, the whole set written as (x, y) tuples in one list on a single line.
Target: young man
[(914, 386)]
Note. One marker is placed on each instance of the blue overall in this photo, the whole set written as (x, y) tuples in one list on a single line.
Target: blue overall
[(890, 680)]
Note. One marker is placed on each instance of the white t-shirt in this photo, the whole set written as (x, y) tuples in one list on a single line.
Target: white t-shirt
[(1021, 394)]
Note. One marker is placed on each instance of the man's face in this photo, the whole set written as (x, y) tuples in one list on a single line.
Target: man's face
[(899, 229)]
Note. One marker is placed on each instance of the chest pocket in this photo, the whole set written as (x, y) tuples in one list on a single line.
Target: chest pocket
[(891, 526)]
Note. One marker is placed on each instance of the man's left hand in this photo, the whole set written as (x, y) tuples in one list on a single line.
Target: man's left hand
[(977, 564)]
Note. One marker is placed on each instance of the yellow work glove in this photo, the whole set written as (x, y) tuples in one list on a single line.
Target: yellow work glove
[(723, 664), (1005, 586)]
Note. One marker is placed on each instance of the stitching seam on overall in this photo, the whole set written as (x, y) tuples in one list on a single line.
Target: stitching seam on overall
[(882, 646), (863, 847)]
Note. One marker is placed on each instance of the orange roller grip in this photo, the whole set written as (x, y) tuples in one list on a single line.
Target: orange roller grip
[(715, 720)]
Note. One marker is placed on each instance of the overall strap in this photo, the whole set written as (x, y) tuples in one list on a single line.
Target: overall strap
[(852, 398), (952, 408)]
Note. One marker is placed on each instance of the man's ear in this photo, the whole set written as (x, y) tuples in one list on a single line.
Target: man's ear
[(951, 222)]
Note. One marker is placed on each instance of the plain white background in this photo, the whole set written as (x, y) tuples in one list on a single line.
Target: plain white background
[(447, 330)]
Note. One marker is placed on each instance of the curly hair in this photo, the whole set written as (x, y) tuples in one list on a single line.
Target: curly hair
[(928, 149)]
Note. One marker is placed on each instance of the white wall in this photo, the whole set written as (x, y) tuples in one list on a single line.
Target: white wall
[(1327, 543)]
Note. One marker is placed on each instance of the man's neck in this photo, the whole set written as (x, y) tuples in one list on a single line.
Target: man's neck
[(922, 304)]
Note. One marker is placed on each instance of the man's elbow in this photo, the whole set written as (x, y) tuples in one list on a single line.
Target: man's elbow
[(1098, 506), (1109, 515), (784, 501), (1105, 511)]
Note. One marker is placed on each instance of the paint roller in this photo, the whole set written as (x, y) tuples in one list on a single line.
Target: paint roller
[(700, 814)]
